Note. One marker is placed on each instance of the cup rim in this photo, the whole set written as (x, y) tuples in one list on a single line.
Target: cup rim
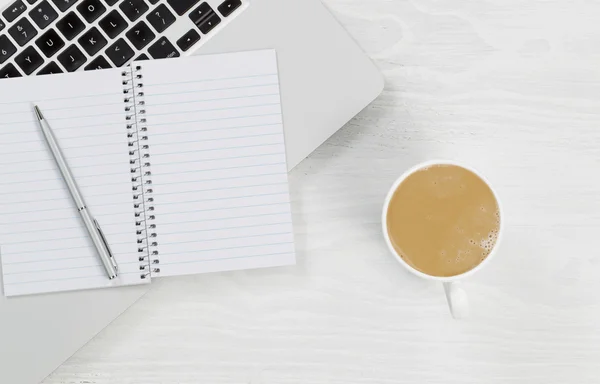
[(394, 187)]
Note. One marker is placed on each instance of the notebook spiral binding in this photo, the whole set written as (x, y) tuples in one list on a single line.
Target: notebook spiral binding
[(141, 175)]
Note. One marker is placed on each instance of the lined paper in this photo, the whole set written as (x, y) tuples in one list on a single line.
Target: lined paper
[(218, 163), (44, 246)]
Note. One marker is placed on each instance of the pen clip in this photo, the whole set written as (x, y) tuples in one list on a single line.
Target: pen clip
[(112, 258)]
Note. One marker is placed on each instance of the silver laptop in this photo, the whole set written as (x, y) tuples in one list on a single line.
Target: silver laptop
[(325, 80)]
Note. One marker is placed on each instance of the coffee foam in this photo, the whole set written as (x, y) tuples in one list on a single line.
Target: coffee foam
[(485, 244)]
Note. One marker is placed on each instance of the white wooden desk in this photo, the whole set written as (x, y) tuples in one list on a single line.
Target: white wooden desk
[(509, 87)]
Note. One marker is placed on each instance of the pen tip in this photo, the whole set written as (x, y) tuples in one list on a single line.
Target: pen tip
[(38, 113)]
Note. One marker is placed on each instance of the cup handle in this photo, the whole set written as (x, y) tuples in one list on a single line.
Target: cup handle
[(458, 301)]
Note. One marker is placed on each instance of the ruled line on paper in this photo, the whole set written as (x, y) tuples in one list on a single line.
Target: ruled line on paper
[(68, 278), (63, 248), (171, 84), (195, 101), (212, 229), (223, 158), (233, 218), (104, 226), (29, 101), (68, 218), (109, 234), (171, 212), (60, 269), (228, 258), (28, 110), (45, 162), (236, 108), (101, 134), (220, 129), (62, 258), (41, 149), (120, 113), (274, 134), (49, 158), (230, 248), (230, 198), (216, 119)]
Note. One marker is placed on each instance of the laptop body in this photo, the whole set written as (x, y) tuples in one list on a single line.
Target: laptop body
[(325, 80)]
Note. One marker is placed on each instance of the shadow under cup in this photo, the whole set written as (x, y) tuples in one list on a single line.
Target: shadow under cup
[(443, 220)]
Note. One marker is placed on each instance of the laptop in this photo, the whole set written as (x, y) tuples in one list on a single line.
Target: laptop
[(325, 80)]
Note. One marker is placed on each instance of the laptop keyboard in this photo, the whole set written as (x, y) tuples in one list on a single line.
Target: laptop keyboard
[(40, 37)]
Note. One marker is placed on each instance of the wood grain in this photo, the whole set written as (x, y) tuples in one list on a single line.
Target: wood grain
[(509, 87)]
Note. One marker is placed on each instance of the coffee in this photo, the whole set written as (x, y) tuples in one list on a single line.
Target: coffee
[(443, 220)]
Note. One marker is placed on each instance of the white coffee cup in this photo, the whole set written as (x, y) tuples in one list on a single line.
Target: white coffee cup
[(457, 298)]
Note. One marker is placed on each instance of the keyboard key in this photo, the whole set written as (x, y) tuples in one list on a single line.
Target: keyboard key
[(119, 53), (9, 71), (23, 31), (70, 26), (228, 6), (111, 2), (31, 1), (7, 49), (140, 35), (142, 57), (72, 58), (43, 14), (98, 63), (163, 49), (161, 18), (182, 6), (209, 23), (153, 1), (29, 60), (2, 25), (63, 5), (134, 9), (14, 11), (50, 69), (113, 24), (188, 40), (50, 43), (201, 13), (92, 41), (91, 10)]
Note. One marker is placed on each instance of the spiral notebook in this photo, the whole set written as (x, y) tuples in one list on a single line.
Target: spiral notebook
[(182, 161)]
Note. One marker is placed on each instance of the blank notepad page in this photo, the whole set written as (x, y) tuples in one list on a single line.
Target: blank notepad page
[(44, 246), (218, 163)]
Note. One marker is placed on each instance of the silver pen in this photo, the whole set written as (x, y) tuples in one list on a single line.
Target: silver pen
[(91, 224)]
